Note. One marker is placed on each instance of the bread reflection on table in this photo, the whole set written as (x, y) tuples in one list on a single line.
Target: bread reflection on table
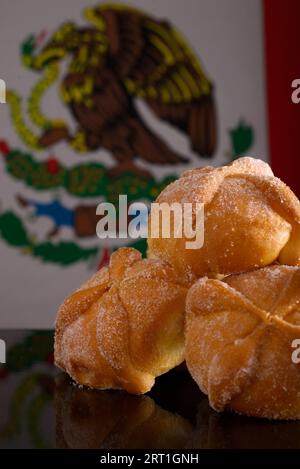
[(175, 415), (111, 419), (229, 430)]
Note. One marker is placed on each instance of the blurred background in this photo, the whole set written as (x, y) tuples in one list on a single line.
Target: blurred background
[(105, 100)]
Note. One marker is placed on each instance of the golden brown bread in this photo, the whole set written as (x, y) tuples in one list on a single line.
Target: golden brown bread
[(251, 219), (239, 336), (124, 326)]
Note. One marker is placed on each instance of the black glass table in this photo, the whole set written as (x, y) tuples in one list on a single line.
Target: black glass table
[(42, 408)]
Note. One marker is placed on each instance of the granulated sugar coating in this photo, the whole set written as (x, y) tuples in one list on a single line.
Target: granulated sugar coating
[(124, 326), (251, 219), (239, 336)]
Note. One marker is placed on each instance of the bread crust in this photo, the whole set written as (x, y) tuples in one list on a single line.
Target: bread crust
[(239, 335), (124, 326), (251, 219)]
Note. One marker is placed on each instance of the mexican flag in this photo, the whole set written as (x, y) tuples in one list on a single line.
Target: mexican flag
[(105, 99)]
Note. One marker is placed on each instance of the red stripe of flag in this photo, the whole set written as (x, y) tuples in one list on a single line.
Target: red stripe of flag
[(282, 46)]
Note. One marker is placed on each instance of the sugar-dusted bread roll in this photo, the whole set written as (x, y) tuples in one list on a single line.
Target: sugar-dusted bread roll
[(89, 419), (251, 219), (240, 337), (124, 326)]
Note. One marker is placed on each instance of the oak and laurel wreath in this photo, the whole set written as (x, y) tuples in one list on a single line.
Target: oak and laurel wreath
[(64, 253), (84, 180)]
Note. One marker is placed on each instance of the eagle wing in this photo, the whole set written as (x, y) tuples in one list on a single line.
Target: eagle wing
[(155, 63)]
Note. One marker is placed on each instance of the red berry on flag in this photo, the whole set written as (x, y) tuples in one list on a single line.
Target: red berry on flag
[(50, 358), (3, 373), (4, 148), (105, 255), (52, 166)]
